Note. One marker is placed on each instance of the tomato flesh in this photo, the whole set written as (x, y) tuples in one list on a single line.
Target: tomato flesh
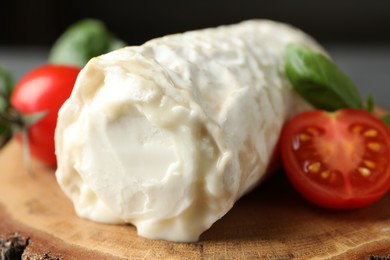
[(337, 160), (44, 89)]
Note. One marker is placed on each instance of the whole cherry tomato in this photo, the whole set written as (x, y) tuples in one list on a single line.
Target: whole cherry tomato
[(337, 160), (44, 89)]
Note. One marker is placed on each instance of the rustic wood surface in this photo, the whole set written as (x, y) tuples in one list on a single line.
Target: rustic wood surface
[(272, 222)]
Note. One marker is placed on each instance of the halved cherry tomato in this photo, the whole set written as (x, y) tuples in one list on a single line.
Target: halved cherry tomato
[(337, 160), (44, 89)]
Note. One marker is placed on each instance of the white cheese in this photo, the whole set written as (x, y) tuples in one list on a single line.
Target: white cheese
[(168, 135)]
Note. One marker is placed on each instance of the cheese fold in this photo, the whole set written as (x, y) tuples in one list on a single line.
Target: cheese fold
[(169, 135)]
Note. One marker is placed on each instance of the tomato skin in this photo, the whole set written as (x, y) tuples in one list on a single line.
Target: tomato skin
[(44, 89), (344, 163)]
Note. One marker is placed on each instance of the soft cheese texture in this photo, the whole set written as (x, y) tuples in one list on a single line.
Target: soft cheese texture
[(168, 135)]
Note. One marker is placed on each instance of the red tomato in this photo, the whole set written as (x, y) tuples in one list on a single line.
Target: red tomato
[(44, 89), (337, 160)]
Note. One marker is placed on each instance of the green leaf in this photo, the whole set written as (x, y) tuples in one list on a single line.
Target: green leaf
[(3, 130), (318, 80), (386, 120), (5, 134), (6, 87), (82, 41), (370, 103)]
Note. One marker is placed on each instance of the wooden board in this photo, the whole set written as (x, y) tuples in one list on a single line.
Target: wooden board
[(272, 222)]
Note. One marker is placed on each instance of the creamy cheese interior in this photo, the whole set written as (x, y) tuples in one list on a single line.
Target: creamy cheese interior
[(168, 135)]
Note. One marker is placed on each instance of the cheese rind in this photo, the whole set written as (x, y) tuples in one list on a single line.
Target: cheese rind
[(168, 135)]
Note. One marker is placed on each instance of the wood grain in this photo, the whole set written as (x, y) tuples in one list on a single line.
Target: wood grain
[(272, 222)]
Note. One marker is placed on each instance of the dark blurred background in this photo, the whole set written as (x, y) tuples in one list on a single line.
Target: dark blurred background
[(355, 33), (40, 22)]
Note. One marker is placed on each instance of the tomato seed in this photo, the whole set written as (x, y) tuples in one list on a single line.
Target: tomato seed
[(374, 146), (369, 164), (313, 131), (325, 174), (314, 167), (370, 133), (356, 129), (364, 171), (304, 137)]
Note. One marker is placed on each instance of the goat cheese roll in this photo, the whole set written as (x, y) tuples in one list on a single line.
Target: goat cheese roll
[(169, 135)]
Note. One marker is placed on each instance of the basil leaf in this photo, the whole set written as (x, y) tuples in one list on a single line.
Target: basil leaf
[(82, 41), (6, 87), (370, 103), (386, 120), (318, 80), (5, 134)]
